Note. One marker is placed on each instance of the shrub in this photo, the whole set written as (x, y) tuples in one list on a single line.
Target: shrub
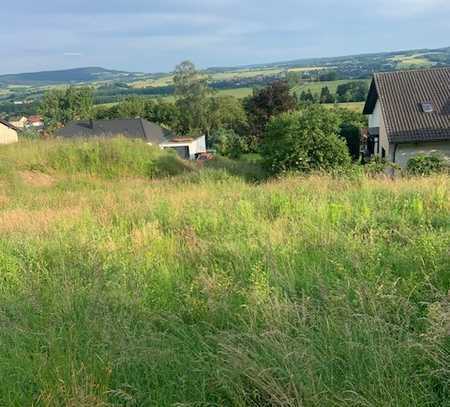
[(425, 165), (228, 143), (29, 134), (304, 141), (378, 165)]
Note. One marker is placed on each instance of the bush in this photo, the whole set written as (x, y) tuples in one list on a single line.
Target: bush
[(425, 165), (228, 143), (29, 134), (378, 165), (305, 140)]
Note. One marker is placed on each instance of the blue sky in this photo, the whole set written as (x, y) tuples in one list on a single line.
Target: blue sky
[(154, 35)]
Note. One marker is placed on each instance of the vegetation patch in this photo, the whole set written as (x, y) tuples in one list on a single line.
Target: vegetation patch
[(120, 157), (207, 289)]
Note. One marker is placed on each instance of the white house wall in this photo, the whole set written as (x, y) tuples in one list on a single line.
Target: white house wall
[(375, 117), (195, 147), (406, 151), (7, 135)]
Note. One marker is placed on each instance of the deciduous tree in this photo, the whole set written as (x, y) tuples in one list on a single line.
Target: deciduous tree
[(304, 140), (191, 90), (61, 106), (266, 103)]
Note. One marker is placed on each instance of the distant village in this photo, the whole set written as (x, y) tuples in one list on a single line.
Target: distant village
[(34, 122)]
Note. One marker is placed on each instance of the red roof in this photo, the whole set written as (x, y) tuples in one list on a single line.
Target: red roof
[(34, 119)]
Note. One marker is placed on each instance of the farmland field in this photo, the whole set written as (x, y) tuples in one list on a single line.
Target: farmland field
[(353, 106), (412, 61), (316, 87), (130, 278)]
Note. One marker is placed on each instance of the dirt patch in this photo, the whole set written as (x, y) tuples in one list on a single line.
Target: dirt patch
[(4, 200), (37, 179)]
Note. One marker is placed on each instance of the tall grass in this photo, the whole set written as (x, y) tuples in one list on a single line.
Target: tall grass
[(118, 157), (207, 290)]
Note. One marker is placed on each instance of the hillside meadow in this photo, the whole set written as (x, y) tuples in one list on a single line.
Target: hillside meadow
[(131, 278)]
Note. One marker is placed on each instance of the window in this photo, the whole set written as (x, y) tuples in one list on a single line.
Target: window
[(427, 107), (383, 153)]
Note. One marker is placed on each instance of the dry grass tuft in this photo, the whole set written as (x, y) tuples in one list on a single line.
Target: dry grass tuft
[(36, 221)]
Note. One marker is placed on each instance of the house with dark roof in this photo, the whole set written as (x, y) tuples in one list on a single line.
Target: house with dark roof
[(8, 133), (151, 133), (409, 114)]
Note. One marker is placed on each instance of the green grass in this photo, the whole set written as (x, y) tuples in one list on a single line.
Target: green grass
[(316, 87), (353, 106), (205, 289), (239, 93), (412, 61), (105, 158)]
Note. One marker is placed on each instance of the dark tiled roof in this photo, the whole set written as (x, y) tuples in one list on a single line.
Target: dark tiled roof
[(8, 124), (401, 95), (132, 128)]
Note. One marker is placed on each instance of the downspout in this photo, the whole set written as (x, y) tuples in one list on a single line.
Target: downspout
[(395, 151)]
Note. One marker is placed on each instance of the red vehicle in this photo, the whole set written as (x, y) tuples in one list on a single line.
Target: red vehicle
[(204, 156)]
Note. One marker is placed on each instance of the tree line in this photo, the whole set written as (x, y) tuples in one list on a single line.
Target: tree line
[(355, 91)]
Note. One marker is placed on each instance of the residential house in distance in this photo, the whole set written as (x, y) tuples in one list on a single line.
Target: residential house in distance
[(8, 133), (36, 122), (409, 114), (151, 133)]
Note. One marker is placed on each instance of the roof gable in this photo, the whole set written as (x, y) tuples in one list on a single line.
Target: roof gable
[(9, 125), (402, 95), (372, 98)]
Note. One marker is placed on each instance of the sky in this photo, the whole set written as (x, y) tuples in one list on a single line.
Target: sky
[(155, 35)]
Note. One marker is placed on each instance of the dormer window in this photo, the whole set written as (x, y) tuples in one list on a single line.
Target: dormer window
[(427, 107)]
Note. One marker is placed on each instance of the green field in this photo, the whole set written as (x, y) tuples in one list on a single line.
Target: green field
[(412, 61), (130, 278), (316, 87), (353, 106)]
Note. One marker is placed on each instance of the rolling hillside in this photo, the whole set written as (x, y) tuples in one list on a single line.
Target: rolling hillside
[(20, 93), (77, 75), (349, 67)]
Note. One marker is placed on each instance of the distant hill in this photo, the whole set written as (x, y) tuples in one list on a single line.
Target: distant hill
[(349, 67), (360, 66), (76, 75), (353, 66)]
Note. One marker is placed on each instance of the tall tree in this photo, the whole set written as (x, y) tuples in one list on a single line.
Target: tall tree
[(326, 96), (191, 91), (131, 107), (226, 112), (308, 97), (61, 106), (162, 112), (267, 102)]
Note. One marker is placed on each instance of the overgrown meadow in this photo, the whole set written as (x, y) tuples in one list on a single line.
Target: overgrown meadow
[(131, 278)]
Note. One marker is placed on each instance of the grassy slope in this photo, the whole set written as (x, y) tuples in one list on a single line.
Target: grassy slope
[(226, 75), (206, 290)]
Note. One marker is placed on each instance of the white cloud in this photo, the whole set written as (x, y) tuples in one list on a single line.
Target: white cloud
[(72, 54)]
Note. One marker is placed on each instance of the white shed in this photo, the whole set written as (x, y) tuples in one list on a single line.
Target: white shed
[(8, 133)]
